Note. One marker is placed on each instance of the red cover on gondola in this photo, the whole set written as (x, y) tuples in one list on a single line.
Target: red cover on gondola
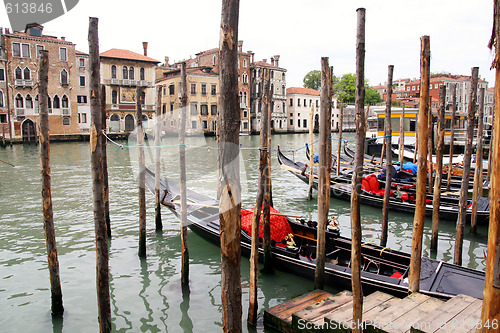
[(279, 225)]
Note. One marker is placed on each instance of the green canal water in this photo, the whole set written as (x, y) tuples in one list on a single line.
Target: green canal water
[(146, 294)]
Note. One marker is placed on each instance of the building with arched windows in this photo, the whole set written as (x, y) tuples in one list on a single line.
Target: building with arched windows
[(19, 106), (122, 73)]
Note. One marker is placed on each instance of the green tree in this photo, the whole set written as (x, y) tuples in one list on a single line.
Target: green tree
[(313, 80), (346, 90), (372, 96)]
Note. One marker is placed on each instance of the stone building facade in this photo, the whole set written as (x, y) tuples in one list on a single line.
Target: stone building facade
[(83, 91), (21, 76)]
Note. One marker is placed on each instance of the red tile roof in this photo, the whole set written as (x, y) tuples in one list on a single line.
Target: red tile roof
[(126, 54), (303, 91)]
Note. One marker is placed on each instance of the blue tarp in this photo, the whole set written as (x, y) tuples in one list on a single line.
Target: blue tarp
[(410, 166), (316, 158)]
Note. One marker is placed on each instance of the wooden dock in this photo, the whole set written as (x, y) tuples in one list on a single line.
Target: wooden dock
[(319, 311)]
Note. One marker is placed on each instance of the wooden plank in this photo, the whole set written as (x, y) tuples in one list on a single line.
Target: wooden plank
[(466, 320), (442, 315)]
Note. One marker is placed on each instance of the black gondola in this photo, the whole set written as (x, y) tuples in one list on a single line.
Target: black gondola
[(382, 268), (342, 190)]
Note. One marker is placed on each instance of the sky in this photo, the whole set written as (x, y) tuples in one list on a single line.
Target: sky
[(300, 31)]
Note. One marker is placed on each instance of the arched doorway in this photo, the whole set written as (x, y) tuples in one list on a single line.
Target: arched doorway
[(316, 122), (129, 123), (114, 123), (28, 131)]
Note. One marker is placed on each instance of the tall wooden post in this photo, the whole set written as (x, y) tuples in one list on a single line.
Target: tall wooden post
[(261, 189), (7, 76), (48, 215), (105, 162), (388, 158), (158, 128), (96, 144), (142, 175), (357, 291), (478, 172), (341, 124), (324, 171), (430, 147), (182, 177), (490, 312), (418, 222), (311, 150), (402, 137), (452, 134), (229, 179), (462, 203), (436, 197)]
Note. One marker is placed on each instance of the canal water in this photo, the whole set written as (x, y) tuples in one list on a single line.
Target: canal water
[(146, 294)]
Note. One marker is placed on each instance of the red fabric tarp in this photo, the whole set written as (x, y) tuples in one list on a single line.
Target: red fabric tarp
[(279, 225)]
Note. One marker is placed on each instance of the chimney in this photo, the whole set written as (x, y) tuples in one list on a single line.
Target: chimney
[(253, 54), (276, 59), (272, 61), (240, 46), (63, 38), (145, 47), (166, 61), (264, 60)]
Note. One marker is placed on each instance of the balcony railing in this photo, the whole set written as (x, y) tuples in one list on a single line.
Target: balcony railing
[(66, 112), (19, 112), (23, 83)]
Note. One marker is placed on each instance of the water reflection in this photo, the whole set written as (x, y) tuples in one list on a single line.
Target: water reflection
[(185, 323)]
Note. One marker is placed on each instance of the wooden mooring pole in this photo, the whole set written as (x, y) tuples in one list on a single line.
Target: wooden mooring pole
[(324, 170), (261, 189), (158, 130), (418, 222), (478, 172), (96, 144), (491, 295), (462, 203), (436, 197), (105, 162), (402, 137), (357, 291), (341, 124), (182, 177), (229, 171), (142, 174), (430, 147), (57, 307), (388, 158), (311, 151), (453, 87)]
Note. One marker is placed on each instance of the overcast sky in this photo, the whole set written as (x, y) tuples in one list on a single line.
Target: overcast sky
[(300, 31)]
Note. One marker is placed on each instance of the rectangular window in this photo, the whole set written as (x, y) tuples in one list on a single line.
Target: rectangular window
[(38, 49), (16, 50), (298, 102), (63, 54), (203, 89), (2, 74), (213, 109), (82, 81), (171, 109), (291, 122), (214, 90), (204, 109), (205, 124), (304, 121), (194, 110), (317, 103), (305, 102), (193, 124), (436, 86), (82, 62), (25, 48), (82, 99), (291, 101), (193, 88), (65, 121), (171, 89)]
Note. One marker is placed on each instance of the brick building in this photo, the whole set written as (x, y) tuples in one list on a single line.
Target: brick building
[(83, 91)]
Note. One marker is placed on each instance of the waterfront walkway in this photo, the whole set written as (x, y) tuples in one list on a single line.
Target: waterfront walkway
[(319, 311)]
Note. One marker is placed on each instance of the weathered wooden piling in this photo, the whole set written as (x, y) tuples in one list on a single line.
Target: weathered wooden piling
[(261, 189), (357, 291), (105, 162), (182, 177), (453, 87), (388, 158), (96, 144), (430, 147), (478, 172), (142, 174), (491, 295), (418, 222), (324, 170), (341, 124), (158, 130), (57, 307), (436, 197), (3, 136), (462, 203), (401, 147), (229, 178), (311, 150)]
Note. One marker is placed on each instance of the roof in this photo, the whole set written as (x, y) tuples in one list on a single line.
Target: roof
[(302, 91), (126, 54), (266, 64), (80, 53)]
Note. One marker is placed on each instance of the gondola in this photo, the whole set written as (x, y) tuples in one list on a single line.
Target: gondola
[(383, 269), (342, 190)]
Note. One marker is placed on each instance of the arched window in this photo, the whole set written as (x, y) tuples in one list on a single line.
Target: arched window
[(272, 89), (29, 102), (19, 101), (65, 102), (1, 99), (64, 77), (214, 60), (245, 97), (18, 73), (241, 97), (244, 63), (114, 97), (113, 72), (125, 72), (131, 75), (142, 74), (283, 91), (49, 104), (56, 103), (27, 73), (283, 76), (37, 104)]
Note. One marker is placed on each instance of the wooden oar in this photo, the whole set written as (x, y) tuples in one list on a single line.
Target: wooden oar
[(8, 163)]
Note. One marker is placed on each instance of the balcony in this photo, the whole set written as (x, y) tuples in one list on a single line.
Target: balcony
[(115, 81), (144, 83), (23, 83), (19, 112), (243, 105), (126, 82), (133, 82), (66, 112)]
